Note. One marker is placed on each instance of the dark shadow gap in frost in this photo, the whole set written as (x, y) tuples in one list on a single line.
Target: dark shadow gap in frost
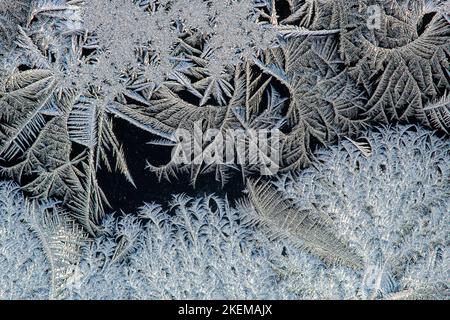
[(121, 194)]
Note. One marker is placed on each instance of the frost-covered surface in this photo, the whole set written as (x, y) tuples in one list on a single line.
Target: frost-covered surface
[(392, 208), (39, 247), (24, 269), (367, 219), (317, 70), (231, 30), (198, 253), (386, 212)]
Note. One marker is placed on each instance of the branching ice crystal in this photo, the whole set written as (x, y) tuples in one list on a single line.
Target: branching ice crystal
[(230, 28)]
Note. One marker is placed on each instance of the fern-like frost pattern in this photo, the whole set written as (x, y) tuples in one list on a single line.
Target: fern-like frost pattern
[(380, 222)]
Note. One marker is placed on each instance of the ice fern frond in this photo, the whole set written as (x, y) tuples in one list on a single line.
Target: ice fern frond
[(61, 240), (26, 94), (81, 124), (87, 205), (293, 31), (439, 113), (363, 146), (306, 229)]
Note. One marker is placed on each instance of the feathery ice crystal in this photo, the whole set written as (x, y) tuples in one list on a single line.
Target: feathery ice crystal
[(387, 205)]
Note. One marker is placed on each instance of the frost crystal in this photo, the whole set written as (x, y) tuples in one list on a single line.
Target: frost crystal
[(24, 269), (388, 210), (392, 208), (231, 29), (366, 218)]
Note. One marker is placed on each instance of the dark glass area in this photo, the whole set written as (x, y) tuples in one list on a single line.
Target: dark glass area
[(123, 196)]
